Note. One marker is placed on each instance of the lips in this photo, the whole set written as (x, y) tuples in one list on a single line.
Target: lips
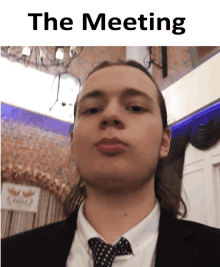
[(111, 140), (113, 145)]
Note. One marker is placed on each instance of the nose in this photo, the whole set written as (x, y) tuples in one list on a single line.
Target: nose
[(111, 118), (111, 122)]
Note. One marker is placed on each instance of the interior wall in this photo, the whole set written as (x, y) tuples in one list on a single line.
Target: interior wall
[(92, 55), (140, 54), (197, 89), (201, 183), (178, 64), (29, 145)]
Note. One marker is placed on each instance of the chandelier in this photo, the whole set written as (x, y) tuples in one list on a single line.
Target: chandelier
[(47, 58), (64, 91), (54, 60)]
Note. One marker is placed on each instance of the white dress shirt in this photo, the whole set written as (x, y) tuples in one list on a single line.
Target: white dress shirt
[(142, 237)]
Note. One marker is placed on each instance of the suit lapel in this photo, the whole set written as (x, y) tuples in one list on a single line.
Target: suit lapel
[(174, 247), (54, 247)]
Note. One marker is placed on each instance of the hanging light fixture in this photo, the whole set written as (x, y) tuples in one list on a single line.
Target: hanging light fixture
[(72, 51), (59, 53), (49, 58), (26, 51), (64, 91), (163, 67)]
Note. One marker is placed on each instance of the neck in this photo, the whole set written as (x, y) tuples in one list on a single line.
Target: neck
[(112, 216)]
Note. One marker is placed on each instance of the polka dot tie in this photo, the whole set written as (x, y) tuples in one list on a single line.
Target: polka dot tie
[(104, 254)]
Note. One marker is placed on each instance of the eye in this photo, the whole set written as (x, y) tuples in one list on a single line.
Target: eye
[(91, 111), (136, 109)]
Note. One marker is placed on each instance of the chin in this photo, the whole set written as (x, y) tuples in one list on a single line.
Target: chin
[(110, 185)]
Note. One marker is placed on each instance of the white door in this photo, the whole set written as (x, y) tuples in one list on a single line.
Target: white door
[(201, 182)]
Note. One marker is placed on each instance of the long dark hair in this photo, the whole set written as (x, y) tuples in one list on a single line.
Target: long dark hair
[(167, 183)]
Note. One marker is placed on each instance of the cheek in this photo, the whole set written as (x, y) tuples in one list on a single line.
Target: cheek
[(151, 128), (82, 129), (84, 136), (147, 135)]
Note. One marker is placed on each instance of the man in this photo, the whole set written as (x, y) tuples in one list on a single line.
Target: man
[(124, 214)]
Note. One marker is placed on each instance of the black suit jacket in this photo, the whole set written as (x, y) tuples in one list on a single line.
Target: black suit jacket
[(180, 243)]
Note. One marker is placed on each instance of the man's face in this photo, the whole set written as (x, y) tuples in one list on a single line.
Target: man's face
[(125, 107)]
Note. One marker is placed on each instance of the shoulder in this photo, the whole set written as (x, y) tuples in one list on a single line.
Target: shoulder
[(44, 234), (41, 245), (206, 238), (186, 229), (32, 236), (204, 232)]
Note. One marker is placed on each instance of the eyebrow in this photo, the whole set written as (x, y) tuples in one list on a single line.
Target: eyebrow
[(127, 92)]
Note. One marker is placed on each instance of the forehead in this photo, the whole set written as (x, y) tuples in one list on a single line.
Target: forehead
[(112, 79)]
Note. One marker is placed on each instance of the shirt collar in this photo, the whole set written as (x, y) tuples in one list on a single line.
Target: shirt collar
[(143, 233), (85, 230), (139, 236)]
